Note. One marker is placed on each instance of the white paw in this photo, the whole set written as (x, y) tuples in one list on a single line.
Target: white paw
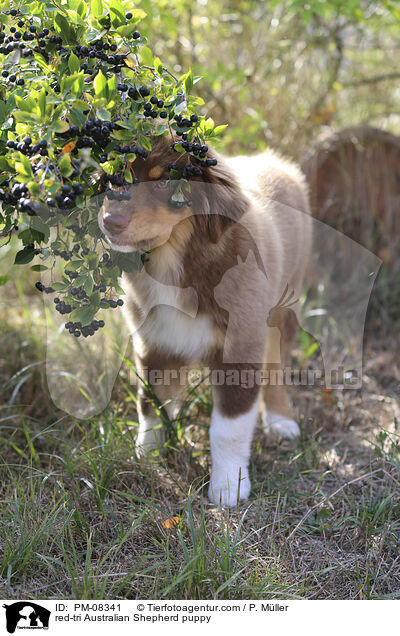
[(151, 436), (225, 489), (280, 426)]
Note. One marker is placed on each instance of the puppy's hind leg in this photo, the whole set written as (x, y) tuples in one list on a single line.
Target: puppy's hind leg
[(277, 411), (278, 425)]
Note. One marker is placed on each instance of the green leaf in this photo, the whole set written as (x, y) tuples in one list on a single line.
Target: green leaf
[(77, 86), (178, 195), (117, 14), (42, 102), (74, 265), (122, 135), (24, 256), (130, 262), (111, 86), (92, 260), (207, 125), (219, 129), (25, 118), (158, 65), (100, 85), (75, 18), (188, 82), (14, 58), (4, 279), (137, 15), (147, 56), (68, 81), (180, 107), (37, 224), (84, 315), (23, 166), (125, 29), (87, 284), (65, 165), (60, 126), (26, 103), (95, 300), (39, 268), (96, 7), (76, 117), (62, 25), (4, 165), (59, 286), (161, 129), (179, 148), (128, 176), (41, 62), (103, 114), (73, 63), (3, 111), (82, 9)]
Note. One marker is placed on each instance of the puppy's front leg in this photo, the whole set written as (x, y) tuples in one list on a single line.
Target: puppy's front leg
[(151, 433), (163, 383), (233, 421)]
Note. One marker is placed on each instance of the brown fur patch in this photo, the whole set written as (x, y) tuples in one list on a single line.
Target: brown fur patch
[(156, 172)]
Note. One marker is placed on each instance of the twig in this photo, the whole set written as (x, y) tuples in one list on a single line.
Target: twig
[(371, 80)]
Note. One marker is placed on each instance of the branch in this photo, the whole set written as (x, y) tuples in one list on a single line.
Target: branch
[(371, 80)]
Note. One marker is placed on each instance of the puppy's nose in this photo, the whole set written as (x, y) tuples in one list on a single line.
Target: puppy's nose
[(115, 223)]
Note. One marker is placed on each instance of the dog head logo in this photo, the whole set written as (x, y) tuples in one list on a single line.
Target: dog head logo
[(26, 615)]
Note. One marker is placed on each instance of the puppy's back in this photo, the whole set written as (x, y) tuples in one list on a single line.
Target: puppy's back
[(270, 176), (280, 213)]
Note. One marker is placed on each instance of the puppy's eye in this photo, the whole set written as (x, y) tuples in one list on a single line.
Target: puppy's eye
[(162, 185)]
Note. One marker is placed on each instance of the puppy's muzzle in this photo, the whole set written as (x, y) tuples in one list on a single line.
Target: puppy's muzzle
[(115, 223)]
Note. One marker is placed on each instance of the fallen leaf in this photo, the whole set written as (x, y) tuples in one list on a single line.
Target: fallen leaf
[(171, 523)]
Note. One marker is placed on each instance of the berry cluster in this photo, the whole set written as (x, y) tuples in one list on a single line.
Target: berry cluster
[(65, 199), (93, 133), (63, 307), (28, 40), (113, 303), (42, 42), (63, 167), (25, 146), (77, 329), (39, 285)]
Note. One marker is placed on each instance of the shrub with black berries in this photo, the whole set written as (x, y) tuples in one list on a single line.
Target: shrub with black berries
[(81, 96)]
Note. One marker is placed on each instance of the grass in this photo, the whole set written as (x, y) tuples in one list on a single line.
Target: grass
[(82, 517)]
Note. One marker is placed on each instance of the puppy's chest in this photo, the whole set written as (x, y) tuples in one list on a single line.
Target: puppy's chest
[(165, 317)]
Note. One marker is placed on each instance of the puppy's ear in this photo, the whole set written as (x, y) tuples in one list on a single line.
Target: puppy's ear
[(220, 199)]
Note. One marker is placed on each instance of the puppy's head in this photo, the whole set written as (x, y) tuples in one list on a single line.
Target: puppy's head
[(144, 218)]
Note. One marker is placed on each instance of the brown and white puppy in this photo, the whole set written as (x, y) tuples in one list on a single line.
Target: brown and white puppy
[(243, 242)]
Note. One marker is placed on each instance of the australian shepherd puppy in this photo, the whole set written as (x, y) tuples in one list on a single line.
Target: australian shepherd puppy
[(222, 267)]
